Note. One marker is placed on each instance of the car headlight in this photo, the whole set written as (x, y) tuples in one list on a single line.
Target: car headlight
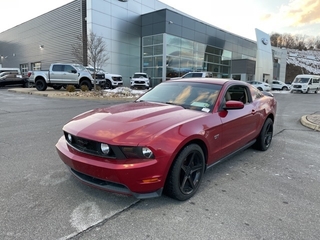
[(138, 152), (105, 149)]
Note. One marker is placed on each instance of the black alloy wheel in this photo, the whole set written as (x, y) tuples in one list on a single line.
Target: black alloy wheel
[(265, 137), (108, 84), (186, 173), (41, 85)]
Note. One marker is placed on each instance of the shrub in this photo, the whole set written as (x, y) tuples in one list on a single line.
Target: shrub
[(84, 88), (70, 88)]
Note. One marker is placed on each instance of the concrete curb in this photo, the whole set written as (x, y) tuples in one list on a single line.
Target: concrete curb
[(29, 92), (50, 93), (305, 121)]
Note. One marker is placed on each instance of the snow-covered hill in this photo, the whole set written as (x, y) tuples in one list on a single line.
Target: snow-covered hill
[(309, 60)]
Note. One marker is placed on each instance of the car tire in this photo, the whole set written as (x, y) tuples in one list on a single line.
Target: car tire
[(186, 173), (41, 84), (316, 91), (260, 88), (265, 137), (86, 83), (108, 84), (57, 87), (285, 89)]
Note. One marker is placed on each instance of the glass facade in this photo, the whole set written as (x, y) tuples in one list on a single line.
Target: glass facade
[(172, 56), (152, 60)]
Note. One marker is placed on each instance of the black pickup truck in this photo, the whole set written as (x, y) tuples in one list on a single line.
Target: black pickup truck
[(12, 77)]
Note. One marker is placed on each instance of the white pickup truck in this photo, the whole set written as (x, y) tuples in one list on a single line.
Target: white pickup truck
[(62, 74), (112, 80)]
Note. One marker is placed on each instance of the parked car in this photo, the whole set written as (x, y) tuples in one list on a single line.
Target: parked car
[(279, 85), (262, 86), (165, 140), (195, 75), (140, 80), (97, 75), (305, 83), (13, 78), (62, 74), (112, 80)]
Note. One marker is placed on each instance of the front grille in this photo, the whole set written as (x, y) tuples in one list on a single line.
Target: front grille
[(107, 185), (297, 86), (99, 76), (140, 82), (92, 147), (117, 79)]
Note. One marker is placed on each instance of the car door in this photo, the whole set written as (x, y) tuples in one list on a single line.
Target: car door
[(276, 85), (238, 125), (57, 73), (70, 75)]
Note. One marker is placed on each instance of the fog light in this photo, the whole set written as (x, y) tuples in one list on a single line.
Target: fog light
[(105, 148)]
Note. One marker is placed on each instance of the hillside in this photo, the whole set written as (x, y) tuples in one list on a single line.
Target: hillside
[(302, 62)]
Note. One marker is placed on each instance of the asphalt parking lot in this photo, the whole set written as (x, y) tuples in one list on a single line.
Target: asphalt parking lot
[(254, 195)]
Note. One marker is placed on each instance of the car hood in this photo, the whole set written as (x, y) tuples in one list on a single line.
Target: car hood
[(129, 123)]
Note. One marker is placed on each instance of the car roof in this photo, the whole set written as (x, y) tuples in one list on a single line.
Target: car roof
[(219, 81)]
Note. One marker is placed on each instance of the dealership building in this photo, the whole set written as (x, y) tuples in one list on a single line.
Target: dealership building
[(141, 36)]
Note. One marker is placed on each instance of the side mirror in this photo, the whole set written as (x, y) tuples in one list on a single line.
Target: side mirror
[(233, 105), (73, 71)]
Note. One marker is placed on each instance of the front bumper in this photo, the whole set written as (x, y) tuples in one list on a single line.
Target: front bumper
[(100, 83), (140, 84), (117, 84), (140, 178)]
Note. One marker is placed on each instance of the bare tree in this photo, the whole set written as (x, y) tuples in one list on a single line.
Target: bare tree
[(77, 50), (96, 52)]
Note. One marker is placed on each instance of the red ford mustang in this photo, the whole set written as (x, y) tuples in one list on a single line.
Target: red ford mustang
[(166, 139)]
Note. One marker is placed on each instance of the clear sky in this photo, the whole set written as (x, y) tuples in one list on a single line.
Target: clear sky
[(238, 17)]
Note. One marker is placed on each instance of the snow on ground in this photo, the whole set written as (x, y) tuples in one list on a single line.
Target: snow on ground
[(123, 92), (310, 59)]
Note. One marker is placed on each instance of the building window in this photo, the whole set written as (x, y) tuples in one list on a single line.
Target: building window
[(152, 60), (36, 66), (24, 69), (185, 56)]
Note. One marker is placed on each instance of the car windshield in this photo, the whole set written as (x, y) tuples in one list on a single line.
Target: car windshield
[(190, 95), (301, 80), (79, 67), (139, 75)]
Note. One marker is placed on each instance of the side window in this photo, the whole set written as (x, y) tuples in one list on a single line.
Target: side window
[(197, 75), (57, 68), (188, 75), (238, 93), (255, 93), (68, 68)]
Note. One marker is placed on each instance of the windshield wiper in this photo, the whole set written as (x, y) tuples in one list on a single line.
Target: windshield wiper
[(172, 103)]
